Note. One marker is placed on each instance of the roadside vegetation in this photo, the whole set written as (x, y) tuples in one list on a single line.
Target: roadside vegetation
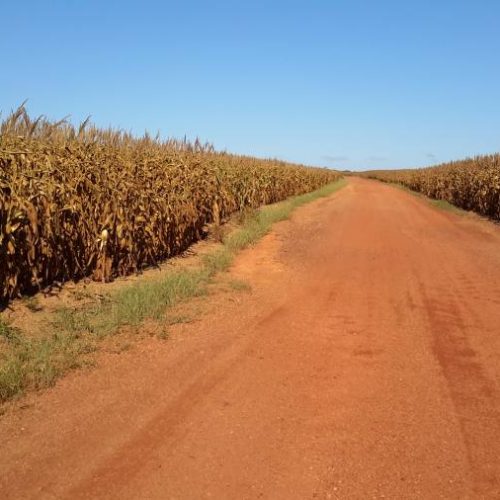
[(471, 184), (33, 363), (440, 204)]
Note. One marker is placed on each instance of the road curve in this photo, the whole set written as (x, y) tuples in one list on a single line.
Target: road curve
[(364, 364)]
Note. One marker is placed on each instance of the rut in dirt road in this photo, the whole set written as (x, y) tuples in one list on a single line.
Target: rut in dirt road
[(364, 364)]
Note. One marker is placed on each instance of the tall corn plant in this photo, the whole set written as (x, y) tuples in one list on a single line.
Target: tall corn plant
[(87, 202)]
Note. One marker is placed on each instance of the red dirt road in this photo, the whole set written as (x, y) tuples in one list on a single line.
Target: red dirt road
[(364, 364)]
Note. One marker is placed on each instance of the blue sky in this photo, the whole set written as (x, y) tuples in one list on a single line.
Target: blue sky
[(351, 84)]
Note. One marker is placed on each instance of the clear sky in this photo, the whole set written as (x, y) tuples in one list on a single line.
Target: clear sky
[(351, 84)]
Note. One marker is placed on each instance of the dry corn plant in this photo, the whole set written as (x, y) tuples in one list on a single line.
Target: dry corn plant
[(471, 184), (85, 202)]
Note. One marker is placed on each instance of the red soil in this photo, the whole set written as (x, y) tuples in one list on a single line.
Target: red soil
[(364, 364)]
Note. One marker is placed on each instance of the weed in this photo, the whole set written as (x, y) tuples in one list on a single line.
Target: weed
[(81, 295), (240, 286), (37, 363), (447, 207), (217, 261), (8, 332), (32, 303)]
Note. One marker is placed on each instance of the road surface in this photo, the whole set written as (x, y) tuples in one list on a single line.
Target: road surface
[(365, 363)]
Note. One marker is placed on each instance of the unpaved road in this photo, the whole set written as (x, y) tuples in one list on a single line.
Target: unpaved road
[(364, 364)]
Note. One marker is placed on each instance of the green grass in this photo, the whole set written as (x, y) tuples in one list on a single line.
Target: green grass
[(74, 333), (240, 286), (8, 333), (446, 206), (37, 363)]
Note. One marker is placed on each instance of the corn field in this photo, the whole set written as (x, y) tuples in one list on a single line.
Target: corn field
[(87, 202), (471, 184)]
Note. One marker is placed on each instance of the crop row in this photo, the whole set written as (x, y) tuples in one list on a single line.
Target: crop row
[(99, 203), (471, 184)]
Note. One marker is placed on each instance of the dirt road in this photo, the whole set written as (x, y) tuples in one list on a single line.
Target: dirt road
[(364, 364)]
